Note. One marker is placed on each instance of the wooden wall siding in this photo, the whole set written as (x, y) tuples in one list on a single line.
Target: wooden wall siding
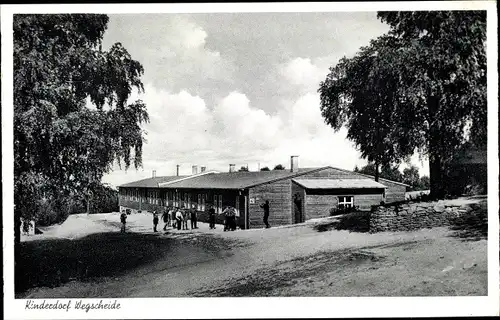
[(280, 202), (394, 192), (319, 205), (296, 189)]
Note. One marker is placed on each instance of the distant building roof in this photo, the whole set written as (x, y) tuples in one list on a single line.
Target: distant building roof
[(151, 182), (373, 177), (237, 180), (339, 184)]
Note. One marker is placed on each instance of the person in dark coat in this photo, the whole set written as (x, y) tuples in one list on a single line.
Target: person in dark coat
[(194, 219), (226, 214), (123, 219), (211, 216), (155, 221), (265, 206), (166, 219)]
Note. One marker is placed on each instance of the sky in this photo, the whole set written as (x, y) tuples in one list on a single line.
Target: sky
[(239, 88)]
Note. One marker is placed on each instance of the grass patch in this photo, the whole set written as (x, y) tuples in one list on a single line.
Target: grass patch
[(358, 221), (50, 263)]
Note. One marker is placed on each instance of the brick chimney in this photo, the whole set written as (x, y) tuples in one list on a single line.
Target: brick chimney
[(195, 169), (294, 163), (203, 169), (177, 170), (231, 167), (154, 173)]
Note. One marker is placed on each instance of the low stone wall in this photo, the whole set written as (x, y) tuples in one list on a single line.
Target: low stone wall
[(419, 215)]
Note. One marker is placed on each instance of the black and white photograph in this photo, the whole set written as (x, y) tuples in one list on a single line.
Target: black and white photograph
[(250, 152)]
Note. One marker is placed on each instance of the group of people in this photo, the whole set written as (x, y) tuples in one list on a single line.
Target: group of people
[(177, 218)]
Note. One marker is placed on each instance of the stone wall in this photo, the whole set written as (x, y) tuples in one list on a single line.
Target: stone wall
[(419, 215)]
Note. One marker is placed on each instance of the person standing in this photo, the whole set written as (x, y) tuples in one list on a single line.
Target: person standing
[(172, 217), (165, 217), (155, 221), (211, 217), (185, 218), (178, 218), (265, 206), (225, 214), (123, 219), (194, 219)]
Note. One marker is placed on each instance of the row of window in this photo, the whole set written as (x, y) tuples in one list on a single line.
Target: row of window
[(178, 199)]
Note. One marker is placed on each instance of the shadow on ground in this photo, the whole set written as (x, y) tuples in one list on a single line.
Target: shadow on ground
[(353, 222), (52, 262), (472, 226)]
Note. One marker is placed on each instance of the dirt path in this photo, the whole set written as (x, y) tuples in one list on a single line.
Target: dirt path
[(298, 261)]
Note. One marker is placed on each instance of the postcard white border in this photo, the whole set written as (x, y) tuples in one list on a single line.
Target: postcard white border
[(149, 308)]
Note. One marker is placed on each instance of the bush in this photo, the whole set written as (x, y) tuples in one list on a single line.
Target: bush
[(336, 211)]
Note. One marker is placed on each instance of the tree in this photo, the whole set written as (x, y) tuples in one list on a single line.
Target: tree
[(391, 173), (423, 85), (411, 177), (279, 167), (265, 169), (442, 70), (243, 169), (424, 183), (368, 169), (387, 172), (62, 147), (356, 94)]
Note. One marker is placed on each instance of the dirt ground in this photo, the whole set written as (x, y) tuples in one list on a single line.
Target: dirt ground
[(281, 261)]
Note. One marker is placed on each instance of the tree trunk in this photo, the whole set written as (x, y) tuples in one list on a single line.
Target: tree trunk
[(377, 173), (434, 138), (17, 230), (436, 183)]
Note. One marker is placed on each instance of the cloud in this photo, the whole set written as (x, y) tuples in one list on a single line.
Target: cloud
[(239, 88), (303, 73)]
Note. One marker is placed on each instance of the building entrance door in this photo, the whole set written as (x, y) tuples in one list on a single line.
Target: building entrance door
[(298, 209)]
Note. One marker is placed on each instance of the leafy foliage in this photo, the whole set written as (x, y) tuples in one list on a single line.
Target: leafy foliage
[(62, 147), (279, 167), (243, 169), (419, 88), (265, 169)]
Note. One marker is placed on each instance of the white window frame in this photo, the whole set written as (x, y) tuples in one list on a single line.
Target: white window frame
[(343, 201), (198, 207)]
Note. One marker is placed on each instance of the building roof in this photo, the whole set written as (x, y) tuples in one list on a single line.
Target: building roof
[(373, 177), (339, 184), (237, 180), (151, 182)]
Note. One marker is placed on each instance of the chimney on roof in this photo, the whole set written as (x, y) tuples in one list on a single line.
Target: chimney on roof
[(203, 169), (154, 173), (195, 169), (294, 163), (231, 167), (177, 169)]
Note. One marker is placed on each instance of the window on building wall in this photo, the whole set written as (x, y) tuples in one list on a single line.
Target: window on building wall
[(203, 198), (346, 202), (220, 204), (199, 203), (237, 206)]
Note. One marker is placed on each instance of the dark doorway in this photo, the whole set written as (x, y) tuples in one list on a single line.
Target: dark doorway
[(298, 208)]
